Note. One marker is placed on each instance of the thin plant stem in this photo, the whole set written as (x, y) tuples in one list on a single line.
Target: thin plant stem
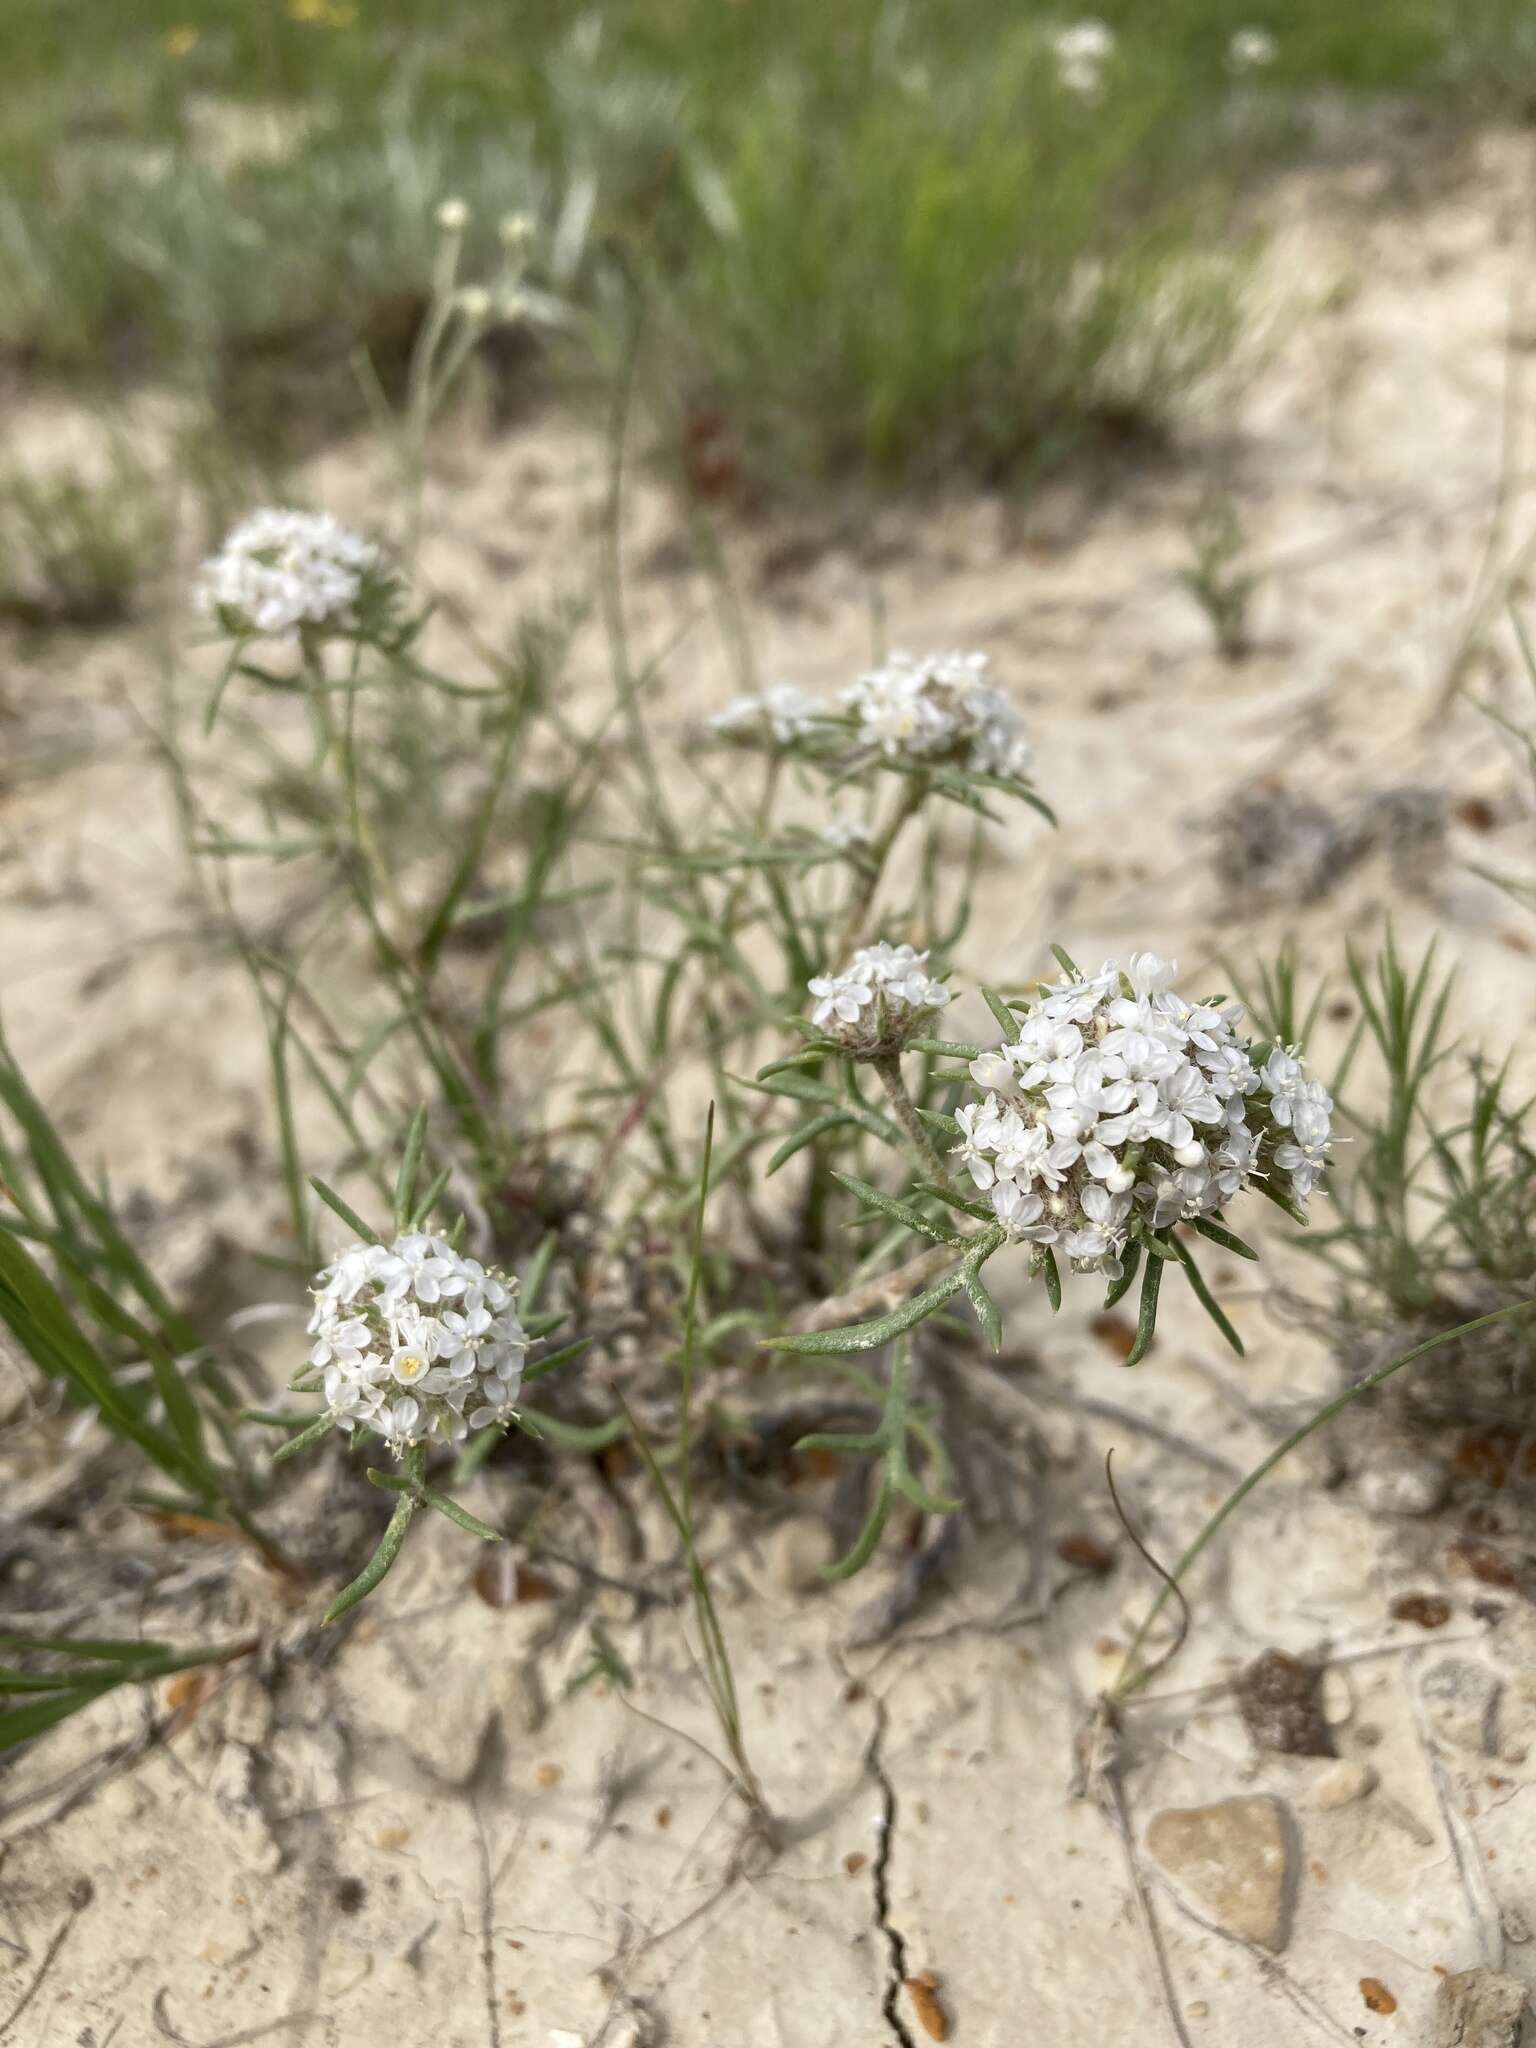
[(857, 917), (888, 1068), (1132, 1679)]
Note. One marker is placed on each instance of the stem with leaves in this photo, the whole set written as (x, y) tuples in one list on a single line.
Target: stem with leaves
[(887, 1066), (1134, 1674)]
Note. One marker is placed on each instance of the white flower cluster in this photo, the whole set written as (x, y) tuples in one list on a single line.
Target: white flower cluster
[(415, 1341), (879, 1001), (278, 571), (785, 711), (1081, 53), (844, 830), (1251, 49), (1120, 1100), (939, 707)]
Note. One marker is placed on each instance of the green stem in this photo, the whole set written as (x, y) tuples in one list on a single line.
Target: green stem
[(1131, 1680), (858, 910), (888, 1067), (389, 1543)]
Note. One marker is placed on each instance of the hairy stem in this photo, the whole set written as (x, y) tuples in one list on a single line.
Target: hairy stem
[(888, 1067), (869, 881)]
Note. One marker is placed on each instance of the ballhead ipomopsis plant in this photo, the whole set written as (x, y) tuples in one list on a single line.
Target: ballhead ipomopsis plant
[(414, 1345), (1115, 1120)]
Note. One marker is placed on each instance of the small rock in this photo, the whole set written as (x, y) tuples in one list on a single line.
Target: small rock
[(1277, 1696), (797, 1550), (1512, 1646), (1234, 1859), (1342, 1784), (1427, 1610), (1461, 1700), (923, 1990), (1479, 2009), (1404, 1486)]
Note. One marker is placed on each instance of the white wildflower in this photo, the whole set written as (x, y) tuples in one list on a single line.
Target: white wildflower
[(415, 1341), (939, 708), (844, 830), (453, 216), (784, 713), (1251, 49), (1122, 1106), (1081, 53), (883, 998), (279, 571)]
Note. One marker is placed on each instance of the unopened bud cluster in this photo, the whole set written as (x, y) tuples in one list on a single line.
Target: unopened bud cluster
[(883, 998), (416, 1342), (1121, 1103)]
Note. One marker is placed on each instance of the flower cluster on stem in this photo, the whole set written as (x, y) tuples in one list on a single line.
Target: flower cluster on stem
[(1120, 1104), (281, 573), (883, 998), (416, 1342)]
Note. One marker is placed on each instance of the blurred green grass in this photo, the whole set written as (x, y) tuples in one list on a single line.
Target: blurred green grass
[(875, 237)]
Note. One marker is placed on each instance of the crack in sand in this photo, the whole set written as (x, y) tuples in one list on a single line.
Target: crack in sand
[(880, 1873)]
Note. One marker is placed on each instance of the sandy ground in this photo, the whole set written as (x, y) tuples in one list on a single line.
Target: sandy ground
[(411, 1833)]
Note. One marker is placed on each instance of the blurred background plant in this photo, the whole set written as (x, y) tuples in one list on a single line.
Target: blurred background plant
[(891, 242)]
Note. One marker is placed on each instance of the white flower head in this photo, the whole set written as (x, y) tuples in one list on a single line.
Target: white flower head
[(1121, 1106), (1082, 52), (1252, 49), (939, 707), (845, 830), (778, 716), (416, 1342), (884, 997), (280, 571)]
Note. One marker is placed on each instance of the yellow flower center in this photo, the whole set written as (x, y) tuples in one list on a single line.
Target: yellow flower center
[(410, 1367)]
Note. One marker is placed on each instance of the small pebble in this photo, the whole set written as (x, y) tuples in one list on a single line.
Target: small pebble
[(1234, 1860), (1461, 1701), (797, 1550), (1404, 1487), (1342, 1784)]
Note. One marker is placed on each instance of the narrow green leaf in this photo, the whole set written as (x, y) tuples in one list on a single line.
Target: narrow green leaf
[(1207, 1300), (1146, 1320), (377, 1566), (1118, 1289), (410, 1166), (421, 1215), (1225, 1238), (553, 1360), (471, 1524), (806, 1134), (1000, 1010), (986, 1308), (870, 1336), (900, 1212), (311, 1434), (20, 1724), (348, 1216), (1051, 1275)]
